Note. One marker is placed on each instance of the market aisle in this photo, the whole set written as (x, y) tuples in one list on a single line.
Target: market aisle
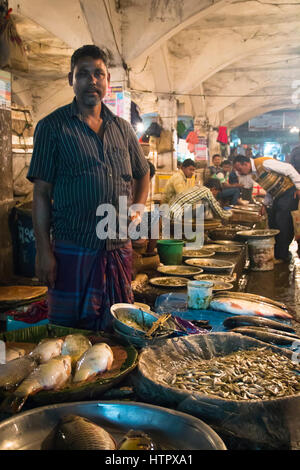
[(282, 284)]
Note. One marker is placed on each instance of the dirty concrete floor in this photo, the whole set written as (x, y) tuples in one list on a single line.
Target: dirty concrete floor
[(282, 284)]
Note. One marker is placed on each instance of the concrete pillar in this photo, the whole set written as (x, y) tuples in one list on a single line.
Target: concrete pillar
[(6, 186), (213, 145), (167, 111)]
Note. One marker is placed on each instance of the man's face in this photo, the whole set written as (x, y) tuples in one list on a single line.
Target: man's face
[(214, 191), (243, 168), (90, 80), (226, 168), (217, 161), (189, 171)]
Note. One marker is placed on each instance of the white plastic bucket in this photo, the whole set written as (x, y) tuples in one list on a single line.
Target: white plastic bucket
[(261, 254)]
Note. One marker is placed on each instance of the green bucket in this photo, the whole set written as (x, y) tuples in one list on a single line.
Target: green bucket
[(170, 251)]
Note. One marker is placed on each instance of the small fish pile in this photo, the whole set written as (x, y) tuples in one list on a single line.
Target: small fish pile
[(256, 374), (78, 433)]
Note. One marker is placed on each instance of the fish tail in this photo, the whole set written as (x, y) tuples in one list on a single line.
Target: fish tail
[(12, 404)]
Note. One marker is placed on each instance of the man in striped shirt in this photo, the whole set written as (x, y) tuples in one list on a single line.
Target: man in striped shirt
[(282, 184), (84, 157)]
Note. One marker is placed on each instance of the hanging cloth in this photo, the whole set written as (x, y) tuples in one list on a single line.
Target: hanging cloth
[(222, 136)]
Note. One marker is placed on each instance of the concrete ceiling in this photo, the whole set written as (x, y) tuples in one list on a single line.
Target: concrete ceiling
[(228, 60)]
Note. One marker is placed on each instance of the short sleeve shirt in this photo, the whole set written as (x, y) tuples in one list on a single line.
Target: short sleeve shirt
[(85, 171)]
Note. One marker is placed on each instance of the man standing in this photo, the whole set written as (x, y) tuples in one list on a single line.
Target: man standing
[(282, 183), (84, 156), (179, 181)]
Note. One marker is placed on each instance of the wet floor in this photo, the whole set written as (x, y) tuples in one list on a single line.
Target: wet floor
[(281, 284)]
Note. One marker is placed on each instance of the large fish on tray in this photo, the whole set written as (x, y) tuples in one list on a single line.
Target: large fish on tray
[(246, 320), (13, 372), (241, 306), (48, 376), (75, 346), (95, 360), (78, 433), (47, 349), (267, 335)]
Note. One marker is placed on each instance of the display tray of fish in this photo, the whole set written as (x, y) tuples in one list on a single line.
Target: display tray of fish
[(171, 281), (201, 253), (210, 265), (108, 425), (256, 374), (78, 364)]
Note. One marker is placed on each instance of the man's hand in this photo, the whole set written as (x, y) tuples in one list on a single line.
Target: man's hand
[(45, 266), (297, 194)]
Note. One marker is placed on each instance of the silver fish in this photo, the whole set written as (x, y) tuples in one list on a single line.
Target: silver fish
[(13, 372), (48, 376), (95, 360), (78, 433), (47, 349), (75, 346)]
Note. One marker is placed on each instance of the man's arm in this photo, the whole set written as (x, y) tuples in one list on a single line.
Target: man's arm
[(41, 214), (140, 195)]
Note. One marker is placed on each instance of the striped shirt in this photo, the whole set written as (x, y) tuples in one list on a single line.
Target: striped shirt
[(85, 171), (197, 195)]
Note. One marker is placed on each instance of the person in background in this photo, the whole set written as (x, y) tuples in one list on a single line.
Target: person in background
[(179, 181), (200, 195), (282, 183), (216, 167), (84, 156), (248, 152), (179, 165), (295, 158), (230, 192), (244, 181)]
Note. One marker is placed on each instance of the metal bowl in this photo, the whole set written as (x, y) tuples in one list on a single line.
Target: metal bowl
[(169, 281), (171, 429), (201, 253), (211, 265), (181, 271), (263, 233), (121, 312)]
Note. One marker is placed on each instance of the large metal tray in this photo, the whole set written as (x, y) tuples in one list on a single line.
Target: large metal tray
[(170, 429)]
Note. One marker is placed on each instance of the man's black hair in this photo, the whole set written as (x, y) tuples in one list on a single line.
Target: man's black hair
[(89, 50), (214, 183), (226, 162), (216, 155), (152, 169), (241, 159), (188, 162)]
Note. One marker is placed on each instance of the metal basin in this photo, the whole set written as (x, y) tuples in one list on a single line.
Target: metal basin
[(171, 430), (123, 313)]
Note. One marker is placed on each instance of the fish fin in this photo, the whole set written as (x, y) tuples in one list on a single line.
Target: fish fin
[(12, 404)]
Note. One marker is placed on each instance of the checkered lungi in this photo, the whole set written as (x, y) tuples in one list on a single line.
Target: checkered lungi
[(88, 282)]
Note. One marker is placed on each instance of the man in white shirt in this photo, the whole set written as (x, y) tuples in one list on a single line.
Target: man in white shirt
[(281, 181)]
